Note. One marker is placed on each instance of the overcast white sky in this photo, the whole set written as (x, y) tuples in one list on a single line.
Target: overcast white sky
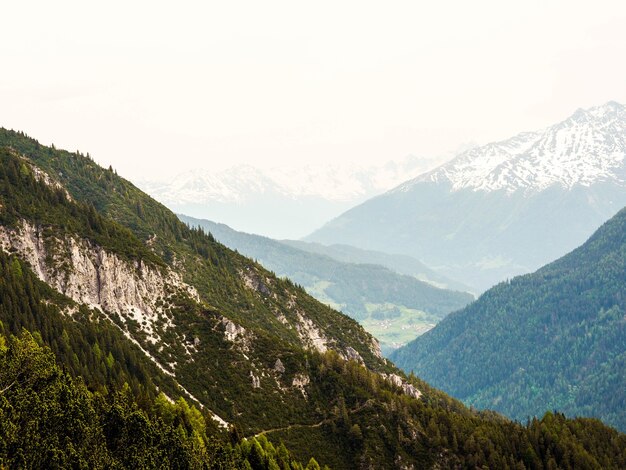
[(145, 85)]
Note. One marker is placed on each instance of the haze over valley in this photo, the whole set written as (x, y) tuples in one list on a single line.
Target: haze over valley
[(281, 202), (309, 236)]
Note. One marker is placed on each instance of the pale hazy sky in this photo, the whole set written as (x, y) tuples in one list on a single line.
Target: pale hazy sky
[(145, 85)]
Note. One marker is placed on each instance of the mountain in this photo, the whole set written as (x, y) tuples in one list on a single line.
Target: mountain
[(554, 339), (394, 308), (502, 209), (281, 202), (129, 340), (402, 264)]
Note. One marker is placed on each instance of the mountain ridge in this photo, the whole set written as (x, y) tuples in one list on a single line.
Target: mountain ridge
[(491, 213), (551, 338), (532, 161), (281, 202)]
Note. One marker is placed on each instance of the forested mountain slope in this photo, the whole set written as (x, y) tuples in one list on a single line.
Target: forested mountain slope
[(393, 307), (52, 420), (123, 292), (554, 339)]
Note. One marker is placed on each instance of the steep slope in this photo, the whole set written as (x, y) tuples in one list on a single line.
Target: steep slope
[(223, 279), (554, 339), (502, 209), (49, 417), (393, 307), (52, 420), (169, 307), (237, 308)]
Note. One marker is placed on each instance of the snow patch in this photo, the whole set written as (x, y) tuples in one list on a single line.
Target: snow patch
[(588, 147)]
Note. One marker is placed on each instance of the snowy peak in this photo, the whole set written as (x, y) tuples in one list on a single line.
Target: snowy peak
[(199, 185), (587, 147), (243, 183)]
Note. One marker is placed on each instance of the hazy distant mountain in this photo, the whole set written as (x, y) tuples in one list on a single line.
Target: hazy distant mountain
[(554, 339), (283, 202), (393, 307), (402, 264), (504, 208)]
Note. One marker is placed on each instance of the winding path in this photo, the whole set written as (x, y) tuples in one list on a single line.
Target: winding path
[(314, 425)]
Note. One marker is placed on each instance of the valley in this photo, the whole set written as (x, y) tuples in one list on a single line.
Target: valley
[(554, 338), (175, 347), (313, 235), (394, 307)]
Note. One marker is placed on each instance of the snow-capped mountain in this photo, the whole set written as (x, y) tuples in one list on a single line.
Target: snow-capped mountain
[(281, 202), (504, 208), (586, 148), (233, 185), (242, 182)]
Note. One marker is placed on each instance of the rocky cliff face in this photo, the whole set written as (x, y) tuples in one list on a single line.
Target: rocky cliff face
[(135, 293), (88, 274)]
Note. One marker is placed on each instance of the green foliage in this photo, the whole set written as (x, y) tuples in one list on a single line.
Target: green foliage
[(262, 455), (23, 195), (86, 344), (554, 339), (371, 425), (346, 416), (50, 420), (214, 270)]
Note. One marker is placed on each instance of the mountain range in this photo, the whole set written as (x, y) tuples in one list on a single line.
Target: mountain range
[(402, 264), (283, 201), (552, 339), (394, 307), (130, 340), (501, 209)]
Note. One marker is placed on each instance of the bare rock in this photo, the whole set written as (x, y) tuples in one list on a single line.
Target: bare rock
[(407, 388), (253, 281), (353, 355), (278, 366), (300, 381)]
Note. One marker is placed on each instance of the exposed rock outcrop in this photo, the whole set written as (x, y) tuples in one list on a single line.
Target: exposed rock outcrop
[(256, 381), (407, 388), (279, 367), (252, 280), (300, 381), (310, 334), (375, 348), (236, 334), (353, 355), (88, 274), (133, 291)]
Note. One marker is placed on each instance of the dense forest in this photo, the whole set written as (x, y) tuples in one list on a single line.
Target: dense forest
[(49, 419), (554, 339), (67, 366)]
